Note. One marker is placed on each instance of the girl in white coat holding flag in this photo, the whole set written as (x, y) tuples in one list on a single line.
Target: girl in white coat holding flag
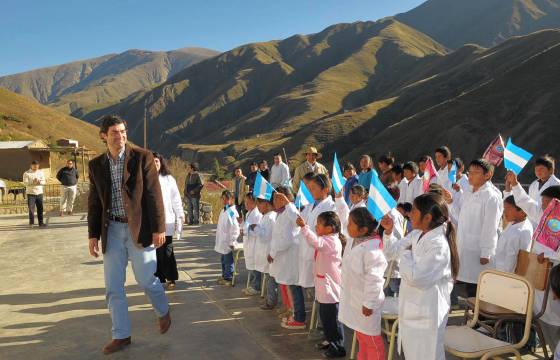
[(253, 217), (428, 265)]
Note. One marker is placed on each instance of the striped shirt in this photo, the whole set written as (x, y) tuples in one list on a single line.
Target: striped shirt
[(117, 169)]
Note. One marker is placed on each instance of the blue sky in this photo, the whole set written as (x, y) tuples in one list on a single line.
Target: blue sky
[(39, 33)]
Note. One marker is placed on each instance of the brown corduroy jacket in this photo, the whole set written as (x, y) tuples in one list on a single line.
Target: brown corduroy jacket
[(142, 197)]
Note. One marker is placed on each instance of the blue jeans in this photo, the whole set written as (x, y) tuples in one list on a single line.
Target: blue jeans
[(193, 204), (227, 265), (299, 303), (120, 249), (256, 279), (271, 291)]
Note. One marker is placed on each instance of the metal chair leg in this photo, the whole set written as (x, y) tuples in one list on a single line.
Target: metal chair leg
[(263, 284), (392, 339), (313, 321), (248, 279), (235, 260)]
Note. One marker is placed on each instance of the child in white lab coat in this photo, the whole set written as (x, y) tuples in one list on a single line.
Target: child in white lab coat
[(516, 236), (253, 217), (357, 197), (414, 186), (227, 233), (263, 231), (361, 298), (429, 263), (554, 279), (283, 256)]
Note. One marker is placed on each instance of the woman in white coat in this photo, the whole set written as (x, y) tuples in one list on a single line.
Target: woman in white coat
[(428, 265), (174, 219)]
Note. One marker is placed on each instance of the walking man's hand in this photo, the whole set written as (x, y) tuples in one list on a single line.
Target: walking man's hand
[(94, 247), (158, 239)]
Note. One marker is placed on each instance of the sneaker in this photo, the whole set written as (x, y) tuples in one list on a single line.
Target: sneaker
[(42, 225), (333, 353), (225, 282), (293, 325), (219, 278), (324, 345), (251, 291)]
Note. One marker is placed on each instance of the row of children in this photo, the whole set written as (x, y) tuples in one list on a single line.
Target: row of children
[(439, 239)]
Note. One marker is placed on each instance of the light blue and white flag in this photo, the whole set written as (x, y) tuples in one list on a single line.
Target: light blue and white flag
[(262, 188), (337, 179), (303, 197), (452, 175), (232, 213), (380, 202), (515, 158)]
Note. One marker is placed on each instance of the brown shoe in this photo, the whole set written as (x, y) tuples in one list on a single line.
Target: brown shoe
[(164, 323), (116, 345)]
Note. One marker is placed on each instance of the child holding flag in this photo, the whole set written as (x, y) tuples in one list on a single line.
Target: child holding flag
[(327, 241), (253, 217), (227, 233)]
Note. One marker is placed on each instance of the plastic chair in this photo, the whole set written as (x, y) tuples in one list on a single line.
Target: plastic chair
[(506, 290), (237, 254)]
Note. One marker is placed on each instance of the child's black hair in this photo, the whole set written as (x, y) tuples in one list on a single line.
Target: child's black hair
[(227, 194), (460, 164), (482, 164), (358, 190), (411, 166), (397, 169), (407, 207), (330, 218), (250, 196), (363, 219), (424, 158), (349, 166), (435, 189), (435, 205), (260, 201), (308, 176), (286, 191), (394, 190), (444, 150), (546, 161), (511, 200), (552, 192), (554, 279), (388, 159), (322, 181)]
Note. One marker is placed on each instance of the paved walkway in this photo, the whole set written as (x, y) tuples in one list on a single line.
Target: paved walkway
[(52, 303)]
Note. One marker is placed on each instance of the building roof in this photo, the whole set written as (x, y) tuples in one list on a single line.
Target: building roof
[(22, 144)]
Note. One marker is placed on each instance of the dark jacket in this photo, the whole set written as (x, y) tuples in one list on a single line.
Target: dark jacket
[(142, 197), (68, 176), (193, 185)]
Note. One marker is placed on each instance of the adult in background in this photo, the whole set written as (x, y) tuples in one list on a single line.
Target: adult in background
[(250, 181), (310, 165), (174, 219), (239, 189), (366, 171), (68, 177), (193, 189), (125, 210), (263, 169), (34, 180), (279, 172)]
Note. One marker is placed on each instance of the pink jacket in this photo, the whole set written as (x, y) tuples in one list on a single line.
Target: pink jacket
[(327, 265)]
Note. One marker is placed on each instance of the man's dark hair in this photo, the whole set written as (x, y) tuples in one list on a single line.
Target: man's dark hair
[(444, 150), (482, 164), (546, 161), (110, 120), (277, 154)]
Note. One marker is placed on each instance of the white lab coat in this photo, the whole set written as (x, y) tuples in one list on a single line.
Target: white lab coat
[(515, 237), (398, 233), (535, 192), (227, 231), (284, 248), (343, 211), (263, 231), (403, 184), (478, 215), (172, 204), (280, 175), (414, 188), (363, 266), (250, 238), (306, 251), (424, 297), (443, 179)]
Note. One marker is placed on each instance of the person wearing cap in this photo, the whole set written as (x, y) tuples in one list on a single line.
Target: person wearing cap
[(310, 165)]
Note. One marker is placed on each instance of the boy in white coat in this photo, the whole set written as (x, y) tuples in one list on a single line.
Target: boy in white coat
[(249, 243), (415, 186), (226, 236), (478, 215), (263, 231)]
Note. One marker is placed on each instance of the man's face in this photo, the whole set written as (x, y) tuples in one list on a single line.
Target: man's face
[(277, 160), (238, 172), (311, 158), (115, 136), (70, 164)]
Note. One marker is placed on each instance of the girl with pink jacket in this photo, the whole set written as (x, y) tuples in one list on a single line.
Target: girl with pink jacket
[(327, 241)]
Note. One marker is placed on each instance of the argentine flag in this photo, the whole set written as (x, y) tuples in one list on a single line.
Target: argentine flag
[(303, 197), (262, 188), (232, 213), (337, 179), (380, 202), (453, 173), (515, 158)]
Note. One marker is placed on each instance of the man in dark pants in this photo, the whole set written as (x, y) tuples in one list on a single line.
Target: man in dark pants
[(193, 188), (34, 180), (125, 210)]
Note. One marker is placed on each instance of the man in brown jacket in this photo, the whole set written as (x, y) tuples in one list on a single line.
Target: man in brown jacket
[(125, 210)]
